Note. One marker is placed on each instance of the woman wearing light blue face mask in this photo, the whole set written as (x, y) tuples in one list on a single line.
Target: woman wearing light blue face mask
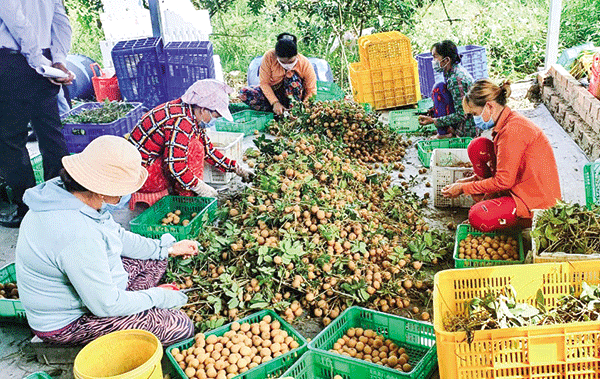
[(447, 113), (173, 141), (81, 275), (514, 173), (285, 75)]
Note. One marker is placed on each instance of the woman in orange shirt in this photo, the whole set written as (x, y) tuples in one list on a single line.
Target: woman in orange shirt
[(285, 75), (516, 172)]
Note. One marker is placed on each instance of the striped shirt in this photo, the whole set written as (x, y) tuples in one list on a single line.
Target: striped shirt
[(166, 131), (458, 81)]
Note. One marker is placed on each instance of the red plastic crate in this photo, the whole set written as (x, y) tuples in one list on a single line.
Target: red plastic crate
[(105, 87), (595, 82)]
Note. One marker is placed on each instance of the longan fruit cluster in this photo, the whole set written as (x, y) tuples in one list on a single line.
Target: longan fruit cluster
[(489, 248), (240, 349), (9, 291), (367, 345)]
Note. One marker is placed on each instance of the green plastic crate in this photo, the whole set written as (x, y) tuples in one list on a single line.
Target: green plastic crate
[(10, 310), (416, 337), (406, 121), (148, 224), (426, 147), (39, 375), (327, 91), (323, 365), (38, 168), (424, 105), (271, 369), (367, 107), (464, 230), (591, 177), (245, 122), (238, 107)]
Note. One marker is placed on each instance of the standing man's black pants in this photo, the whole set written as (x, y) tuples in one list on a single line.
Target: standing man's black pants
[(26, 96)]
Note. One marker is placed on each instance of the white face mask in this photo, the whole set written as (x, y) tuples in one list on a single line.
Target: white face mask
[(288, 66)]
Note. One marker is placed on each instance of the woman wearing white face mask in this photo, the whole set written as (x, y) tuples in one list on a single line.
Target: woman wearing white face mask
[(81, 275), (173, 142), (284, 75), (447, 113), (516, 172)]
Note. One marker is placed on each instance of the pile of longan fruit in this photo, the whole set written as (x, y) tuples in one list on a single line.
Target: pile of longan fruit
[(484, 247), (242, 348), (9, 291), (174, 218), (369, 346)]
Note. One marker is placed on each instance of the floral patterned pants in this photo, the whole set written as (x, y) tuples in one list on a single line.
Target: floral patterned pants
[(289, 88)]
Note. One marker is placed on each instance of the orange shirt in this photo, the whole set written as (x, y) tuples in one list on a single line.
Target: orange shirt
[(525, 165), (271, 73)]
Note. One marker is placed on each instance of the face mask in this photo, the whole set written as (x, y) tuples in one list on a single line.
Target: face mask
[(481, 124), (288, 66), (210, 124), (115, 207), (437, 67)]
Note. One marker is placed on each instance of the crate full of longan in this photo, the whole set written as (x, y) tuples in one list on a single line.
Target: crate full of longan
[(259, 346), (182, 216), (378, 345), (11, 308), (473, 248)]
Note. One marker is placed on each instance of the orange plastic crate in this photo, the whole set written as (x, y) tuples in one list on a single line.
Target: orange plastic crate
[(384, 49), (385, 87), (551, 351)]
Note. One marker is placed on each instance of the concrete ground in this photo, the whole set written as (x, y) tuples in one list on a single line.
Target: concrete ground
[(16, 359)]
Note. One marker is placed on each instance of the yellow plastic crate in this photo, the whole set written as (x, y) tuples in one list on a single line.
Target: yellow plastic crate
[(386, 87), (384, 49), (552, 351)]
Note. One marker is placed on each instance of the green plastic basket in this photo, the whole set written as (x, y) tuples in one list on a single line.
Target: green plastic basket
[(38, 168), (591, 177), (416, 337), (406, 121), (323, 365), (425, 148), (39, 375), (464, 230), (271, 369), (10, 310), (424, 105), (238, 107), (327, 91), (246, 122), (148, 224)]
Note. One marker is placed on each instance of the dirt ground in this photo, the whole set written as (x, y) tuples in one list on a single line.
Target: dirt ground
[(16, 357)]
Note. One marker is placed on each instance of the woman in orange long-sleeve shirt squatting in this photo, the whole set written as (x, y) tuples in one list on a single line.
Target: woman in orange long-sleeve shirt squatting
[(284, 74), (515, 173)]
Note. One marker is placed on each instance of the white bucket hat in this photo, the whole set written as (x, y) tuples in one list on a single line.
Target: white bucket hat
[(109, 166), (210, 94)]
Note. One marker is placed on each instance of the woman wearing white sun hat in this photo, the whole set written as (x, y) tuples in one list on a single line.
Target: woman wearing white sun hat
[(80, 274)]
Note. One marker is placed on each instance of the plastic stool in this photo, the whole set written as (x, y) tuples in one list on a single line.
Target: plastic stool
[(149, 198)]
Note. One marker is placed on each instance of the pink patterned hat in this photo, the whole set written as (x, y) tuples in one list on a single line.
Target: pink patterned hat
[(210, 94)]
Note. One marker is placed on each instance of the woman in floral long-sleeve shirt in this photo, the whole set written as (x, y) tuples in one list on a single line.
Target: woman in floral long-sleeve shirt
[(447, 113), (173, 142)]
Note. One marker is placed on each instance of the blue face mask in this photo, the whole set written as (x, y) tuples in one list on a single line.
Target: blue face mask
[(210, 124), (115, 207), (483, 125)]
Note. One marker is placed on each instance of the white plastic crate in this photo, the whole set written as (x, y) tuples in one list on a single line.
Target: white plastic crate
[(443, 174), (557, 256), (230, 145)]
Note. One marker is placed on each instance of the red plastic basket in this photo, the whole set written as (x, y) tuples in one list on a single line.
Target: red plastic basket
[(105, 87), (595, 82)]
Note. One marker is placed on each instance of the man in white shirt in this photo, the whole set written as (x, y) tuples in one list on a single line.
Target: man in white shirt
[(33, 34)]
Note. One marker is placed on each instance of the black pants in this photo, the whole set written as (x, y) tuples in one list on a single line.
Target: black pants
[(27, 97)]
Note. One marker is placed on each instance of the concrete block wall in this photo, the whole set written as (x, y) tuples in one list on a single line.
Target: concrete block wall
[(573, 107)]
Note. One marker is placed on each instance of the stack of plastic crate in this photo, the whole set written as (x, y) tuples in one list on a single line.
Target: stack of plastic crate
[(387, 75)]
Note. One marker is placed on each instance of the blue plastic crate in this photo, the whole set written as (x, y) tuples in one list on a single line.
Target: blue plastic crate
[(141, 71), (78, 136), (474, 60), (186, 63)]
